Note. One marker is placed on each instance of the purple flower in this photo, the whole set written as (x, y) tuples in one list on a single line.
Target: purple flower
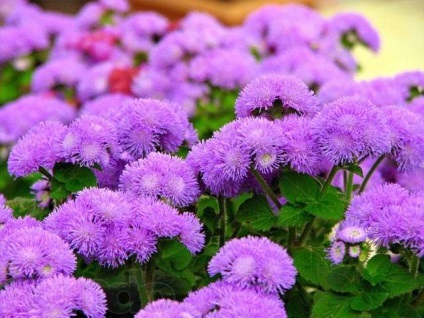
[(351, 232), (105, 105), (165, 221), (354, 251), (220, 299), (95, 81), (168, 309), (146, 125), (224, 68), (383, 91), (40, 189), (2, 199), (36, 149), (412, 82), (253, 262), (274, 96), (336, 252), (62, 296), (15, 299), (61, 72), (355, 28), (116, 5), (36, 253), (407, 138), (349, 128), (90, 140), (17, 117), (333, 90), (301, 151), (161, 176), (141, 31)]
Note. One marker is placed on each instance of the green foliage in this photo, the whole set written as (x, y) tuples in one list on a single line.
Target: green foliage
[(24, 206), (312, 265), (256, 213)]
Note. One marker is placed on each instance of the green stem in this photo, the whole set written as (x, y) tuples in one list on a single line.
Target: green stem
[(349, 186), (45, 173), (370, 173), (236, 230), (292, 238), (308, 227), (141, 284), (149, 271), (222, 219), (265, 187), (414, 265)]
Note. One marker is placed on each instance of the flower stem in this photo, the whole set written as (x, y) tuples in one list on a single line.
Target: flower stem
[(141, 284), (370, 173), (222, 204), (45, 173), (349, 186), (414, 265), (265, 187)]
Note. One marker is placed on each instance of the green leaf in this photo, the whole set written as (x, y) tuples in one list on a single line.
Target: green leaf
[(24, 206), (396, 308), (257, 213), (334, 306), (330, 206), (312, 265), (344, 279), (291, 215), (368, 301), (74, 177), (175, 253), (399, 281), (298, 187), (58, 190), (356, 169), (377, 269)]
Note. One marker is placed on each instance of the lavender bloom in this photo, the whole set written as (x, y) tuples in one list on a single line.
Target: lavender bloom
[(109, 176), (383, 91), (407, 138), (351, 232), (36, 253), (115, 5), (141, 31), (161, 176), (15, 299), (354, 27), (40, 189), (89, 16), (90, 140), (227, 69), (9, 224), (166, 308), (165, 221), (349, 128), (105, 105), (146, 125), (388, 219), (336, 252), (412, 181), (412, 82), (301, 151), (36, 149), (17, 117), (94, 82), (151, 83), (56, 73), (2, 199), (6, 214), (224, 300), (62, 296), (333, 90), (274, 96), (354, 251), (224, 160), (253, 262)]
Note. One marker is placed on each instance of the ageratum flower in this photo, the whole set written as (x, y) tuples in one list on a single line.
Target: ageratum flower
[(36, 149), (166, 308), (36, 253), (147, 125), (301, 151), (390, 215), (333, 90), (355, 27), (161, 176), (383, 91), (253, 262), (165, 221), (349, 128), (60, 72), (273, 96), (407, 138), (336, 252), (412, 82), (15, 299), (19, 116), (105, 105), (221, 299), (90, 140)]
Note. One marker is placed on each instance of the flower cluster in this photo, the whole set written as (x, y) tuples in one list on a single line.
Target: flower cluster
[(254, 270), (110, 226)]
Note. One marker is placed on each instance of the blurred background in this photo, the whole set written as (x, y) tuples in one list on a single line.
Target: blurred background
[(399, 22)]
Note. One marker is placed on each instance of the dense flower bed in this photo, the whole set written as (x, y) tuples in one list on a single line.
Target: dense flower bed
[(189, 169)]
